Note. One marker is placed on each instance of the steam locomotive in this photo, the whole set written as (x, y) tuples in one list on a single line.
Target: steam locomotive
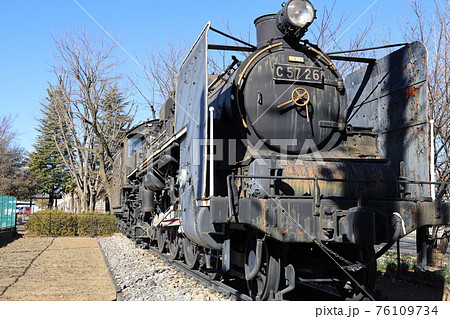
[(277, 170)]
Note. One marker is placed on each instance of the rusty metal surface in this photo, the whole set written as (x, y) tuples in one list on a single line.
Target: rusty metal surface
[(390, 95), (340, 179), (293, 220), (345, 179), (191, 111)]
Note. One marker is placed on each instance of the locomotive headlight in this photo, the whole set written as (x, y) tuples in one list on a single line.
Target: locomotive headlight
[(300, 12), (295, 17)]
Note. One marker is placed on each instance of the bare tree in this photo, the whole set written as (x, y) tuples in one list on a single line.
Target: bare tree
[(15, 178), (90, 111), (11, 156), (328, 33), (162, 65), (7, 135)]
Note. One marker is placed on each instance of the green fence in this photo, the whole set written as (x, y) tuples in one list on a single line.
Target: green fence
[(7, 212)]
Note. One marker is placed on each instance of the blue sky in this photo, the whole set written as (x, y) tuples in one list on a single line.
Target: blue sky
[(27, 47)]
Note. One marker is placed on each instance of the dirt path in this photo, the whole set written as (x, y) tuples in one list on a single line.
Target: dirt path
[(53, 269)]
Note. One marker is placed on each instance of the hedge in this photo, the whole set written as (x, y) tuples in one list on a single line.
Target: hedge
[(58, 223)]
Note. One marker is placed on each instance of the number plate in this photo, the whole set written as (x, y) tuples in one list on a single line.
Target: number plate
[(297, 73)]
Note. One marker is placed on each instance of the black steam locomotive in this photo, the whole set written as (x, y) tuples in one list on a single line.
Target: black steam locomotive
[(278, 170)]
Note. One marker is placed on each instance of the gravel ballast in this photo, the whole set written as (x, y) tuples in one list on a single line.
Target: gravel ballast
[(141, 275)]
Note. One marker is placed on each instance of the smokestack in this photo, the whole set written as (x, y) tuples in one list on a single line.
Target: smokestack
[(266, 30)]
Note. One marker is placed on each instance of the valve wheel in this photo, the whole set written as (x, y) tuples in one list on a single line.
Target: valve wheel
[(300, 97)]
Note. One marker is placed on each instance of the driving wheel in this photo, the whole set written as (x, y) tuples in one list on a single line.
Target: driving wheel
[(191, 253), (265, 283)]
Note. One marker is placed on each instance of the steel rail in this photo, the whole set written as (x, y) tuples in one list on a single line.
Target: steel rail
[(225, 290)]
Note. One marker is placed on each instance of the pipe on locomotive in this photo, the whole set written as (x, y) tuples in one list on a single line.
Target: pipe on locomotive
[(211, 152)]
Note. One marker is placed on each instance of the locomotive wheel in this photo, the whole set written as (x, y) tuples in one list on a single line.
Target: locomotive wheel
[(161, 240), (174, 243), (365, 277), (191, 253), (265, 284)]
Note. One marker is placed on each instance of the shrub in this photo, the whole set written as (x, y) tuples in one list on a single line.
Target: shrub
[(408, 262), (388, 261), (58, 223), (95, 224)]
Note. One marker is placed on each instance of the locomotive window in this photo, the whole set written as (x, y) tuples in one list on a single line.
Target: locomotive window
[(134, 145)]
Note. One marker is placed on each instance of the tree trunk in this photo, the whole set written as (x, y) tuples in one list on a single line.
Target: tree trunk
[(50, 201), (107, 204)]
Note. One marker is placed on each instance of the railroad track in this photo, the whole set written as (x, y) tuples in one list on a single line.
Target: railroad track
[(217, 286), (234, 289), (310, 291)]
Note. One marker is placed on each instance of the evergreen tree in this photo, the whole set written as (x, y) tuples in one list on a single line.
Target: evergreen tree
[(45, 162), (15, 178), (113, 121)]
